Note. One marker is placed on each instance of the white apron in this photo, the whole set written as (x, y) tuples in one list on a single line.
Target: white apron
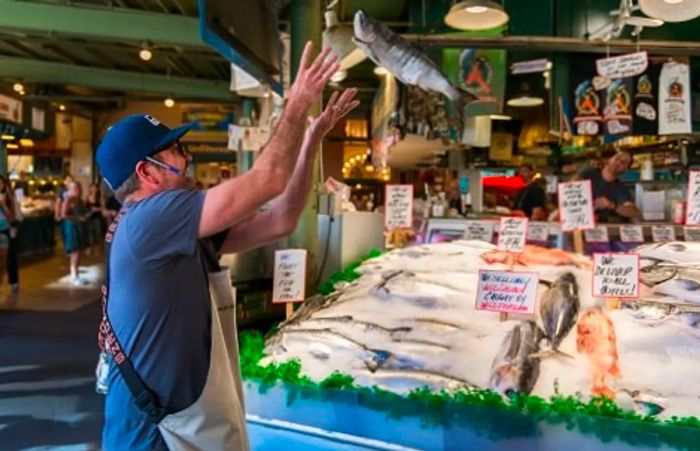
[(216, 420)]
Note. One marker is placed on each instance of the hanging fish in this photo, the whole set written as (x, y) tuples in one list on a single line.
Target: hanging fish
[(404, 60)]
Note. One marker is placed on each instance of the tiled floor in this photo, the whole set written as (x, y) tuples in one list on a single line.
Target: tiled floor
[(47, 358)]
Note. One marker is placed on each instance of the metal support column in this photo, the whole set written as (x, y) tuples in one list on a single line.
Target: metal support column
[(306, 26), (3, 159), (244, 158)]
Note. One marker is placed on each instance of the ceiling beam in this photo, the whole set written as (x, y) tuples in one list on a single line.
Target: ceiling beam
[(34, 71), (557, 44), (106, 24)]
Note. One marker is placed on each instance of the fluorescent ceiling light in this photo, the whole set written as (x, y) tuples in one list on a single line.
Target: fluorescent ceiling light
[(476, 15), (500, 117)]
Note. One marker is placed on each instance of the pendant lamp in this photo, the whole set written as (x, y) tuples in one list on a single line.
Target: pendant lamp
[(671, 10), (476, 15), (526, 97)]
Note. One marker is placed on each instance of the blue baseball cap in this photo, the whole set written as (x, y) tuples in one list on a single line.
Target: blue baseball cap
[(131, 140)]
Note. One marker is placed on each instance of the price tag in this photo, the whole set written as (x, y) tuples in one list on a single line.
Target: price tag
[(692, 233), (289, 282), (623, 66), (663, 233), (576, 205), (398, 207), (692, 214), (631, 234), (511, 234), (597, 235), (479, 230), (507, 291), (616, 275), (538, 231)]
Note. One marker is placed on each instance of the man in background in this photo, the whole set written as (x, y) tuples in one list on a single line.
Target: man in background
[(611, 198), (531, 200)]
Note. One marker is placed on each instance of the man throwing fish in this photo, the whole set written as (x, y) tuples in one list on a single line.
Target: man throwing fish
[(611, 199), (173, 379)]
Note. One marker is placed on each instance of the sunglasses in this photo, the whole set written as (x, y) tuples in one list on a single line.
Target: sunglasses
[(180, 150)]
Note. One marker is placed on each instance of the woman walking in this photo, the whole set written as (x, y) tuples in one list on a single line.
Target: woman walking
[(74, 214), (6, 217)]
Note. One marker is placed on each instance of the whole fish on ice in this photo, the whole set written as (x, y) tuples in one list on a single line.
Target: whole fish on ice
[(515, 369), (596, 339), (678, 280), (558, 309), (404, 60), (535, 255)]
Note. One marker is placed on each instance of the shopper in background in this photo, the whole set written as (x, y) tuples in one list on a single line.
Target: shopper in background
[(15, 222), (159, 324), (95, 222), (74, 215), (531, 200), (6, 217), (611, 198), (61, 196)]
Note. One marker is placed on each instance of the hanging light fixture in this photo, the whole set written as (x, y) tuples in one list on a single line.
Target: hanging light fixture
[(525, 98), (339, 38), (476, 15), (62, 107), (671, 10), (145, 53), (339, 76), (380, 71), (169, 102), (18, 87)]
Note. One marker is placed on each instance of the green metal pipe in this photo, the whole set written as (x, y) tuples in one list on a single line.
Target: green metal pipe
[(306, 26)]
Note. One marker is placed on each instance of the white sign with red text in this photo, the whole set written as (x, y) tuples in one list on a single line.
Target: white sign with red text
[(507, 291)]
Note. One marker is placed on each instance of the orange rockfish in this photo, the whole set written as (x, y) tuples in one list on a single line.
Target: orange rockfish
[(596, 339), (534, 255)]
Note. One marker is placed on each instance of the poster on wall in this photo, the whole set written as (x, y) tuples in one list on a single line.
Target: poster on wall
[(674, 99), (646, 117), (618, 107), (587, 104), (10, 109), (212, 121), (480, 72)]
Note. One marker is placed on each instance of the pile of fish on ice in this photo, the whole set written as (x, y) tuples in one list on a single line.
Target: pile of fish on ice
[(410, 321)]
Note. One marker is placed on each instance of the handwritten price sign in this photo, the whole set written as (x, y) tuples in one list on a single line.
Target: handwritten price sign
[(576, 206), (663, 233), (692, 233), (479, 230), (398, 207), (511, 234), (598, 234), (289, 282), (616, 275), (507, 291), (693, 213), (538, 231), (623, 66), (631, 234)]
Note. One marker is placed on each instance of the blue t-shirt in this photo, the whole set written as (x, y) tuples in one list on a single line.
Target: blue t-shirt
[(160, 310)]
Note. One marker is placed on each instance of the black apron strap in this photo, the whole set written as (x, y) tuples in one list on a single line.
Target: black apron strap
[(143, 397)]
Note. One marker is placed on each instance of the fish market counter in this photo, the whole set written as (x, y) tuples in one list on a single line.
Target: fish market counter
[(295, 418), (606, 237)]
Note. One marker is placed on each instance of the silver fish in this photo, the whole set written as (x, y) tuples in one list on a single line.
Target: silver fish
[(644, 403), (372, 358), (404, 60), (654, 312), (515, 369), (559, 308), (680, 280), (436, 325), (420, 378), (672, 252), (395, 332)]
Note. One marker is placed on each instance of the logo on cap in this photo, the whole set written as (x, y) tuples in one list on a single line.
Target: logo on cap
[(152, 120)]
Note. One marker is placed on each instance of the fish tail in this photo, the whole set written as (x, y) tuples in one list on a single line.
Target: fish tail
[(550, 353)]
